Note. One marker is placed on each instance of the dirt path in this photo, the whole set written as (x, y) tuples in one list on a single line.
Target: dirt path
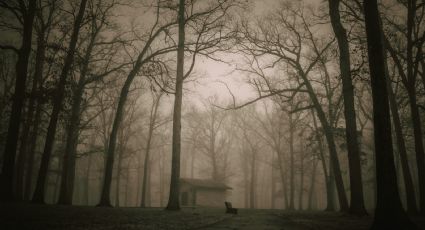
[(256, 220)]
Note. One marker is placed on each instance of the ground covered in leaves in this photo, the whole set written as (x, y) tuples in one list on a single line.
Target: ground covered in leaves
[(46, 217)]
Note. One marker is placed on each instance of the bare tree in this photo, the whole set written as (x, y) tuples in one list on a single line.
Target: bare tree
[(356, 201), (26, 13), (388, 215), (38, 196)]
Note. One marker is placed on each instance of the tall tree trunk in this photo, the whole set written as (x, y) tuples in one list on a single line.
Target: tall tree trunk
[(410, 85), (32, 151), (357, 200), (23, 151), (8, 170), (291, 156), (419, 147), (57, 107), (118, 180), (282, 173), (87, 187), (173, 202), (389, 213), (105, 199), (68, 172), (401, 146), (329, 178), (273, 187)]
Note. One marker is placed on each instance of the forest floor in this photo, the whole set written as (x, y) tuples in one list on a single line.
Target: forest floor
[(55, 217)]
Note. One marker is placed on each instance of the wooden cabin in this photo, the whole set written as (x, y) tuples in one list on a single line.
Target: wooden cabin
[(202, 192)]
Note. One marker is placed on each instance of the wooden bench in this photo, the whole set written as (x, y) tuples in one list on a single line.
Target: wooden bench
[(230, 209)]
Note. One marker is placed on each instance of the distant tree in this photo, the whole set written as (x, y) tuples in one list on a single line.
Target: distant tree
[(153, 124)]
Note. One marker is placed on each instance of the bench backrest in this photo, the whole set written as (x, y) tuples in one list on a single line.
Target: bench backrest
[(228, 204)]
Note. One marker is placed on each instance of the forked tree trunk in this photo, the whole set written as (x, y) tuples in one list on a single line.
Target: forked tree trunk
[(57, 107), (389, 213), (357, 200), (8, 170), (173, 201)]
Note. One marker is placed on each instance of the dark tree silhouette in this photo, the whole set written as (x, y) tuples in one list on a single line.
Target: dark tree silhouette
[(38, 196), (389, 213), (8, 170), (356, 201), (173, 201)]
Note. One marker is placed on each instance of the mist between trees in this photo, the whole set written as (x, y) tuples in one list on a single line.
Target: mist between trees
[(101, 106)]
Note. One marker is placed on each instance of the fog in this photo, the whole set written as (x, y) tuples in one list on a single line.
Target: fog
[(277, 105)]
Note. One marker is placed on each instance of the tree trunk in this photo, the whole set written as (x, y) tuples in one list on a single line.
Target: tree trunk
[(152, 121), (8, 170), (23, 151), (334, 168), (32, 151), (419, 147), (87, 187), (410, 85), (388, 215), (291, 155), (407, 177), (68, 172), (357, 200), (252, 183), (173, 202), (312, 186), (330, 206), (301, 193), (57, 107), (118, 180)]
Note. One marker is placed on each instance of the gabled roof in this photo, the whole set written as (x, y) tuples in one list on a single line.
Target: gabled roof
[(205, 183)]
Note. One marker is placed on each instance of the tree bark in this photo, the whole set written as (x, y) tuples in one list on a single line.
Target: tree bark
[(173, 202), (8, 170), (357, 200), (389, 213), (57, 107)]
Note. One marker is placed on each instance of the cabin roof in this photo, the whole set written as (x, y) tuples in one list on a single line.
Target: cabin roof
[(205, 183)]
